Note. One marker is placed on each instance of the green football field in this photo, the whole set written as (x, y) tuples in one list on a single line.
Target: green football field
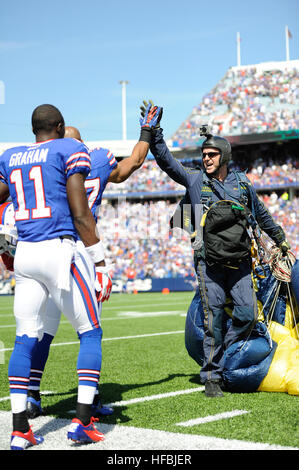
[(152, 383)]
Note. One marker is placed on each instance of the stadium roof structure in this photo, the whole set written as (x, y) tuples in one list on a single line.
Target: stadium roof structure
[(250, 104)]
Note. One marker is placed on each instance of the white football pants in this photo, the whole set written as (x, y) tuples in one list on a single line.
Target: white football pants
[(54, 276)]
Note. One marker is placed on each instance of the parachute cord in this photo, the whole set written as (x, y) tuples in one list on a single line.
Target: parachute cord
[(281, 264), (281, 267), (273, 305), (296, 325), (271, 311), (268, 298)]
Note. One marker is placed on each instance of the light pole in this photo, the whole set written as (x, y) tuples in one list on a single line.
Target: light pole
[(287, 35), (238, 50), (124, 83)]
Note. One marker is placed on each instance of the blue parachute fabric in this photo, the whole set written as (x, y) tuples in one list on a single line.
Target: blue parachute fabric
[(295, 280), (194, 329), (246, 363), (248, 380), (267, 286)]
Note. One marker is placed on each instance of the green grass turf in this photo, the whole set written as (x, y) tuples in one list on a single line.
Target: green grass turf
[(150, 365)]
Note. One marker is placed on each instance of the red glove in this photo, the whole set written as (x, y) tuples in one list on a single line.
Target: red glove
[(103, 283)]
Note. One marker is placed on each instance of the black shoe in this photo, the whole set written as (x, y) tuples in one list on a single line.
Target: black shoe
[(213, 389), (33, 406), (101, 410)]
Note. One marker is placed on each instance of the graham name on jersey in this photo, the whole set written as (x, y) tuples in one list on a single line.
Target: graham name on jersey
[(29, 156)]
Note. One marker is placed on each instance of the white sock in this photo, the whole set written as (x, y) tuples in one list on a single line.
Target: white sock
[(86, 394), (18, 402)]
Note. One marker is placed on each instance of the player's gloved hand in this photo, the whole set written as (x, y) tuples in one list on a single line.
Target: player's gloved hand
[(144, 106), (152, 116), (284, 247), (143, 110), (103, 283), (150, 119)]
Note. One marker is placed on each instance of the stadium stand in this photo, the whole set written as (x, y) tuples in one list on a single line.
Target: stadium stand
[(247, 100), (256, 108)]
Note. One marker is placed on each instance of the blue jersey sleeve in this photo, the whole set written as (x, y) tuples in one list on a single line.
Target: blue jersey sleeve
[(77, 159), (103, 163)]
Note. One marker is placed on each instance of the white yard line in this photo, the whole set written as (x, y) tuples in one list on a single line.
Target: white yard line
[(210, 418), (121, 307), (124, 316), (159, 396), (136, 314)]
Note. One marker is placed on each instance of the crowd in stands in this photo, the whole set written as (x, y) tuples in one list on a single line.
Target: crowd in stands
[(273, 175), (137, 236), (150, 178), (285, 212), (273, 172), (138, 240), (246, 101), (262, 174)]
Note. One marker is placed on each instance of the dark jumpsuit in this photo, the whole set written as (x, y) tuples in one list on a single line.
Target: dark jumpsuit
[(216, 283)]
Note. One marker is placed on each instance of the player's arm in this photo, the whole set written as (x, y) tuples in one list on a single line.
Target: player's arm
[(128, 165), (83, 219), (86, 227), (4, 192), (169, 164)]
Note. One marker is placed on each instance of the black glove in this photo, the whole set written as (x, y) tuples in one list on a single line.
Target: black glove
[(284, 247)]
